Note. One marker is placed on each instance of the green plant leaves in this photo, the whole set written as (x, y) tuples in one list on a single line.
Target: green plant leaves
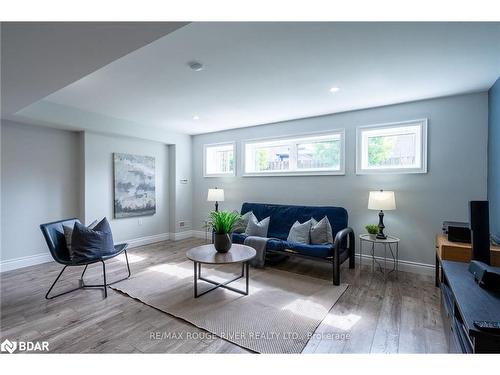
[(223, 221)]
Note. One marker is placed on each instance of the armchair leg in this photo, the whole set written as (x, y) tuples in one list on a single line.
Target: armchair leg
[(128, 266), (105, 285), (55, 282), (82, 283)]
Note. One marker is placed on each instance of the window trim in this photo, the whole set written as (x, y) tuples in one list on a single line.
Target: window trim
[(423, 144), (229, 174), (340, 172)]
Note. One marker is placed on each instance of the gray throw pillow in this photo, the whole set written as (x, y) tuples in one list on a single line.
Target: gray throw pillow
[(241, 225), (299, 233), (321, 232), (90, 244), (256, 228), (68, 232)]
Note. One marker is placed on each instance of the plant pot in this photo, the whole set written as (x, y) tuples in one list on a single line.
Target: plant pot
[(222, 242), (372, 236)]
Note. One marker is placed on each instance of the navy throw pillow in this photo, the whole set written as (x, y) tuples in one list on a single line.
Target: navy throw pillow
[(88, 244)]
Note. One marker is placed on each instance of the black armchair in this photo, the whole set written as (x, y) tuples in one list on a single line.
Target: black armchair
[(54, 235)]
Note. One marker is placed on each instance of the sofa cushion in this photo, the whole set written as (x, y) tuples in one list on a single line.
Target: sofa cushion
[(257, 228), (238, 237), (321, 251), (321, 232), (283, 216), (277, 245), (299, 233)]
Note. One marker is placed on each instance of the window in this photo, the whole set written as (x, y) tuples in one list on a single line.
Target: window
[(219, 160), (299, 155), (392, 148)]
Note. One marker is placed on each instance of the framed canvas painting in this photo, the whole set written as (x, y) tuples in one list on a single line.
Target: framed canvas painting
[(134, 180)]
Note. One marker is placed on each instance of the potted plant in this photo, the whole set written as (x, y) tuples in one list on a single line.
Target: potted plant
[(222, 223), (372, 230)]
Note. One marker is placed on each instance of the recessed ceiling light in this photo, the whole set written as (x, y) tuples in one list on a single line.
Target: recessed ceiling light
[(196, 66), (196, 117), (334, 89)]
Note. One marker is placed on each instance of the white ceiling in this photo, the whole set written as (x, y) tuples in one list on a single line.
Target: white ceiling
[(39, 58), (258, 73)]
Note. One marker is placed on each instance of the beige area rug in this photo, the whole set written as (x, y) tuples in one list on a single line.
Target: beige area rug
[(279, 315)]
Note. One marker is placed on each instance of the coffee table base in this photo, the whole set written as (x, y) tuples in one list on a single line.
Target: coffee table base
[(197, 276)]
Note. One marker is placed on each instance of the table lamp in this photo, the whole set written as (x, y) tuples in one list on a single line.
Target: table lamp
[(381, 200), (215, 195)]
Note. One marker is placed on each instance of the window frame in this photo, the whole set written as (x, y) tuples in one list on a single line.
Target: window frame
[(422, 122), (339, 172), (228, 174)]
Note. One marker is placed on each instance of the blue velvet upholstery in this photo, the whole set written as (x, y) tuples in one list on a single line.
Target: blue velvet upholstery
[(320, 251), (283, 216)]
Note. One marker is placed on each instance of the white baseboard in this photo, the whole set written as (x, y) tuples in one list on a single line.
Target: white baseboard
[(31, 260), (404, 265), (181, 235), (200, 234), (141, 241)]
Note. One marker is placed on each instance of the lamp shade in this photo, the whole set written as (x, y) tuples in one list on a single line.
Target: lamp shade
[(215, 195), (381, 200)]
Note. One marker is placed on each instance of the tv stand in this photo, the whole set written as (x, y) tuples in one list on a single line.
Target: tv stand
[(462, 302)]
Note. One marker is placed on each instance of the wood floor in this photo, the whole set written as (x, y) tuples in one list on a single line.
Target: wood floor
[(373, 316)]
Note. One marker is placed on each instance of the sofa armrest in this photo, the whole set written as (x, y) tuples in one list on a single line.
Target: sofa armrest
[(346, 233)]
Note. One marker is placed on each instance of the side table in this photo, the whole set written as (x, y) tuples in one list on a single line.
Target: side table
[(391, 243)]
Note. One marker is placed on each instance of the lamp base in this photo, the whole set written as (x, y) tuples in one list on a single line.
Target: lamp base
[(381, 226)]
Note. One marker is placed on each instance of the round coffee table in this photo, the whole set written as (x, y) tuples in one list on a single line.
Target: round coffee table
[(206, 254)]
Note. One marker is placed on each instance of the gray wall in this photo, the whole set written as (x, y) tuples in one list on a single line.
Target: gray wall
[(457, 171), (494, 158), (48, 174), (40, 183), (99, 151)]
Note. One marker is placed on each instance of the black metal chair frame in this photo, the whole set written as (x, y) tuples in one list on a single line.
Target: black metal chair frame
[(121, 248)]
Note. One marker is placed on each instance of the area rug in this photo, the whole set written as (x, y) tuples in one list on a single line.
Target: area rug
[(279, 315)]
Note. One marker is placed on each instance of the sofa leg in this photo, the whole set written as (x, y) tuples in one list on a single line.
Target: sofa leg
[(336, 273), (352, 259)]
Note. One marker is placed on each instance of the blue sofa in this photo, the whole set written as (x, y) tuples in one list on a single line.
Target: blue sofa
[(282, 217)]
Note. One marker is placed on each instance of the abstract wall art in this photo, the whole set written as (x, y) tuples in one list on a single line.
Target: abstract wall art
[(134, 178)]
